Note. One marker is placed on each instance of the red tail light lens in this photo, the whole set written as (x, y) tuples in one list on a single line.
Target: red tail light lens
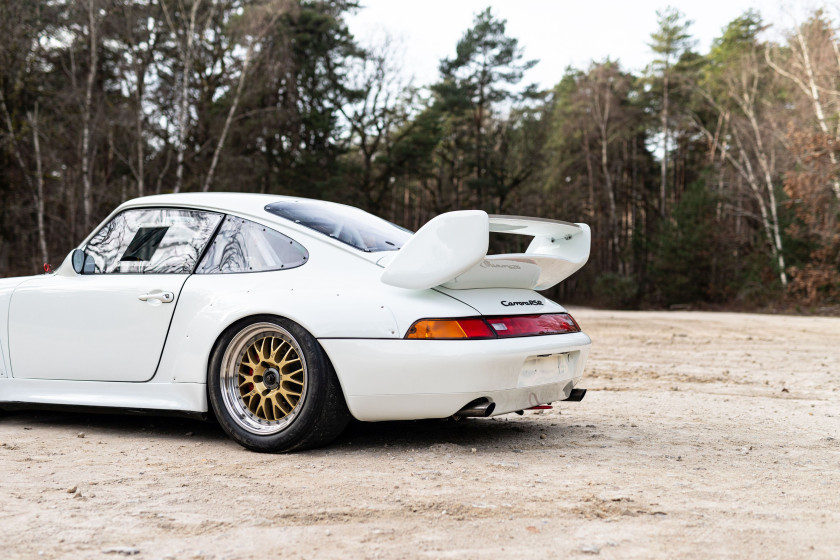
[(493, 327), (533, 325)]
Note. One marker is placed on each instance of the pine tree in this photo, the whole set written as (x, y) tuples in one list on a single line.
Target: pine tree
[(669, 42)]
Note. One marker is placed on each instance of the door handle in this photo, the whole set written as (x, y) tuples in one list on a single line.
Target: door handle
[(157, 295)]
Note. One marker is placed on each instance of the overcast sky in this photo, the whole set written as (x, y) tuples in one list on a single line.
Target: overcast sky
[(557, 32)]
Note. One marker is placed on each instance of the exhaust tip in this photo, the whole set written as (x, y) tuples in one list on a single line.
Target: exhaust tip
[(479, 408), (576, 395)]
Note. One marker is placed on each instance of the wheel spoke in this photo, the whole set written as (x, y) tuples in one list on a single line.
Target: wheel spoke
[(285, 359), (260, 411), (293, 385), (286, 400), (253, 356), (276, 345), (246, 374), (283, 406), (297, 373), (253, 402)]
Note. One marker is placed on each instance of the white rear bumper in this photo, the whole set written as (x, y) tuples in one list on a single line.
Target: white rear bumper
[(414, 379)]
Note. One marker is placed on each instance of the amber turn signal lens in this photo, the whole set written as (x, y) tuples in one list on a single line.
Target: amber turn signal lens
[(450, 329)]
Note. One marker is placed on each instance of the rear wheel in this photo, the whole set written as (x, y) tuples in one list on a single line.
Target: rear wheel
[(273, 389)]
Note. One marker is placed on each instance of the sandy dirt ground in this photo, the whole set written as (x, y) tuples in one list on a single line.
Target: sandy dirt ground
[(703, 435)]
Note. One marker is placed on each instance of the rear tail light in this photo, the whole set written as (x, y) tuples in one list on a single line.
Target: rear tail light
[(493, 327), (533, 325), (444, 329)]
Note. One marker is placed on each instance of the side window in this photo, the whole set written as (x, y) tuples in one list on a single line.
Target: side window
[(245, 246), (152, 241)]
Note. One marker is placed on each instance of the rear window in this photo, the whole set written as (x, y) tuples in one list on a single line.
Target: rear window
[(349, 225)]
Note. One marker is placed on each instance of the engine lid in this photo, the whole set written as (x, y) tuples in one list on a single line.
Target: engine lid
[(504, 301)]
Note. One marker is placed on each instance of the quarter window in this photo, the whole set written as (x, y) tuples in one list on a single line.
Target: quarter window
[(245, 246), (152, 241)]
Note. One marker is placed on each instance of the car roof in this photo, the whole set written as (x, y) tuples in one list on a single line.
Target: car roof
[(239, 203), (247, 205)]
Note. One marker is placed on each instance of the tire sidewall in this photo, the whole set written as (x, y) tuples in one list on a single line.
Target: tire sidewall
[(315, 394)]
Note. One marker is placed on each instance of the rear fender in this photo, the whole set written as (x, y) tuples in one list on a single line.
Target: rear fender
[(357, 307)]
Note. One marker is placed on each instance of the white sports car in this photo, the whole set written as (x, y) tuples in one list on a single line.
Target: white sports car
[(287, 316)]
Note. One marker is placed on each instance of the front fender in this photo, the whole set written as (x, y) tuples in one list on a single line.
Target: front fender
[(7, 288)]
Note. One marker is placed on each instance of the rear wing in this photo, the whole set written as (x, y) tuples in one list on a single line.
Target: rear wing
[(451, 251)]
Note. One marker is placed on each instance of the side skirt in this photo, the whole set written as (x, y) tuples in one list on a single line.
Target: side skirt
[(177, 397)]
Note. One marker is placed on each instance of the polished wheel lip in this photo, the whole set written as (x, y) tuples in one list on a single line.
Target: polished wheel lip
[(238, 410)]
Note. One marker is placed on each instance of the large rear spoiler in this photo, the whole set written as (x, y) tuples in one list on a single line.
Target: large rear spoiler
[(451, 251)]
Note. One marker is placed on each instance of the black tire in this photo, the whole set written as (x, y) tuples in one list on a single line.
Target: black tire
[(256, 406)]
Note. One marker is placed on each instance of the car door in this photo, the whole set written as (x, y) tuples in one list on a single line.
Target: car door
[(111, 323)]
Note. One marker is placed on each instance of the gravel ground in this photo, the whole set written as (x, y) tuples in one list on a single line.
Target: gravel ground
[(703, 435)]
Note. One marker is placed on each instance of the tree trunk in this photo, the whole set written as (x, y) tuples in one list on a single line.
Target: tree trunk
[(771, 196), (608, 188), (39, 186), (590, 174), (663, 181), (183, 107), (208, 181), (139, 141), (769, 216), (87, 167)]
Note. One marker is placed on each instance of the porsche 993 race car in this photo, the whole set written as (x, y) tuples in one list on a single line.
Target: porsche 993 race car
[(286, 316)]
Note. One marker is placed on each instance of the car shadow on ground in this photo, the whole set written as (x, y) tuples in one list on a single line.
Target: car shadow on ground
[(126, 423), (506, 432), (425, 433)]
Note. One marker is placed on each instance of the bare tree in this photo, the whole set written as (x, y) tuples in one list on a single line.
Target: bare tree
[(38, 193), (261, 20), (812, 65), (379, 117), (755, 149), (139, 31), (87, 112), (30, 43), (185, 39), (668, 42), (36, 187), (602, 99)]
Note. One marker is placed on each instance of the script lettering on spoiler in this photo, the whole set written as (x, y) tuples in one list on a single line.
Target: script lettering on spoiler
[(488, 264), (529, 302)]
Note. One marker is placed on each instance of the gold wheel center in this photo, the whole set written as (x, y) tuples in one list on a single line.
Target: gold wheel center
[(271, 378)]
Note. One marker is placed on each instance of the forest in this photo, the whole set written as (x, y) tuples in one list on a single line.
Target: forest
[(708, 179)]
